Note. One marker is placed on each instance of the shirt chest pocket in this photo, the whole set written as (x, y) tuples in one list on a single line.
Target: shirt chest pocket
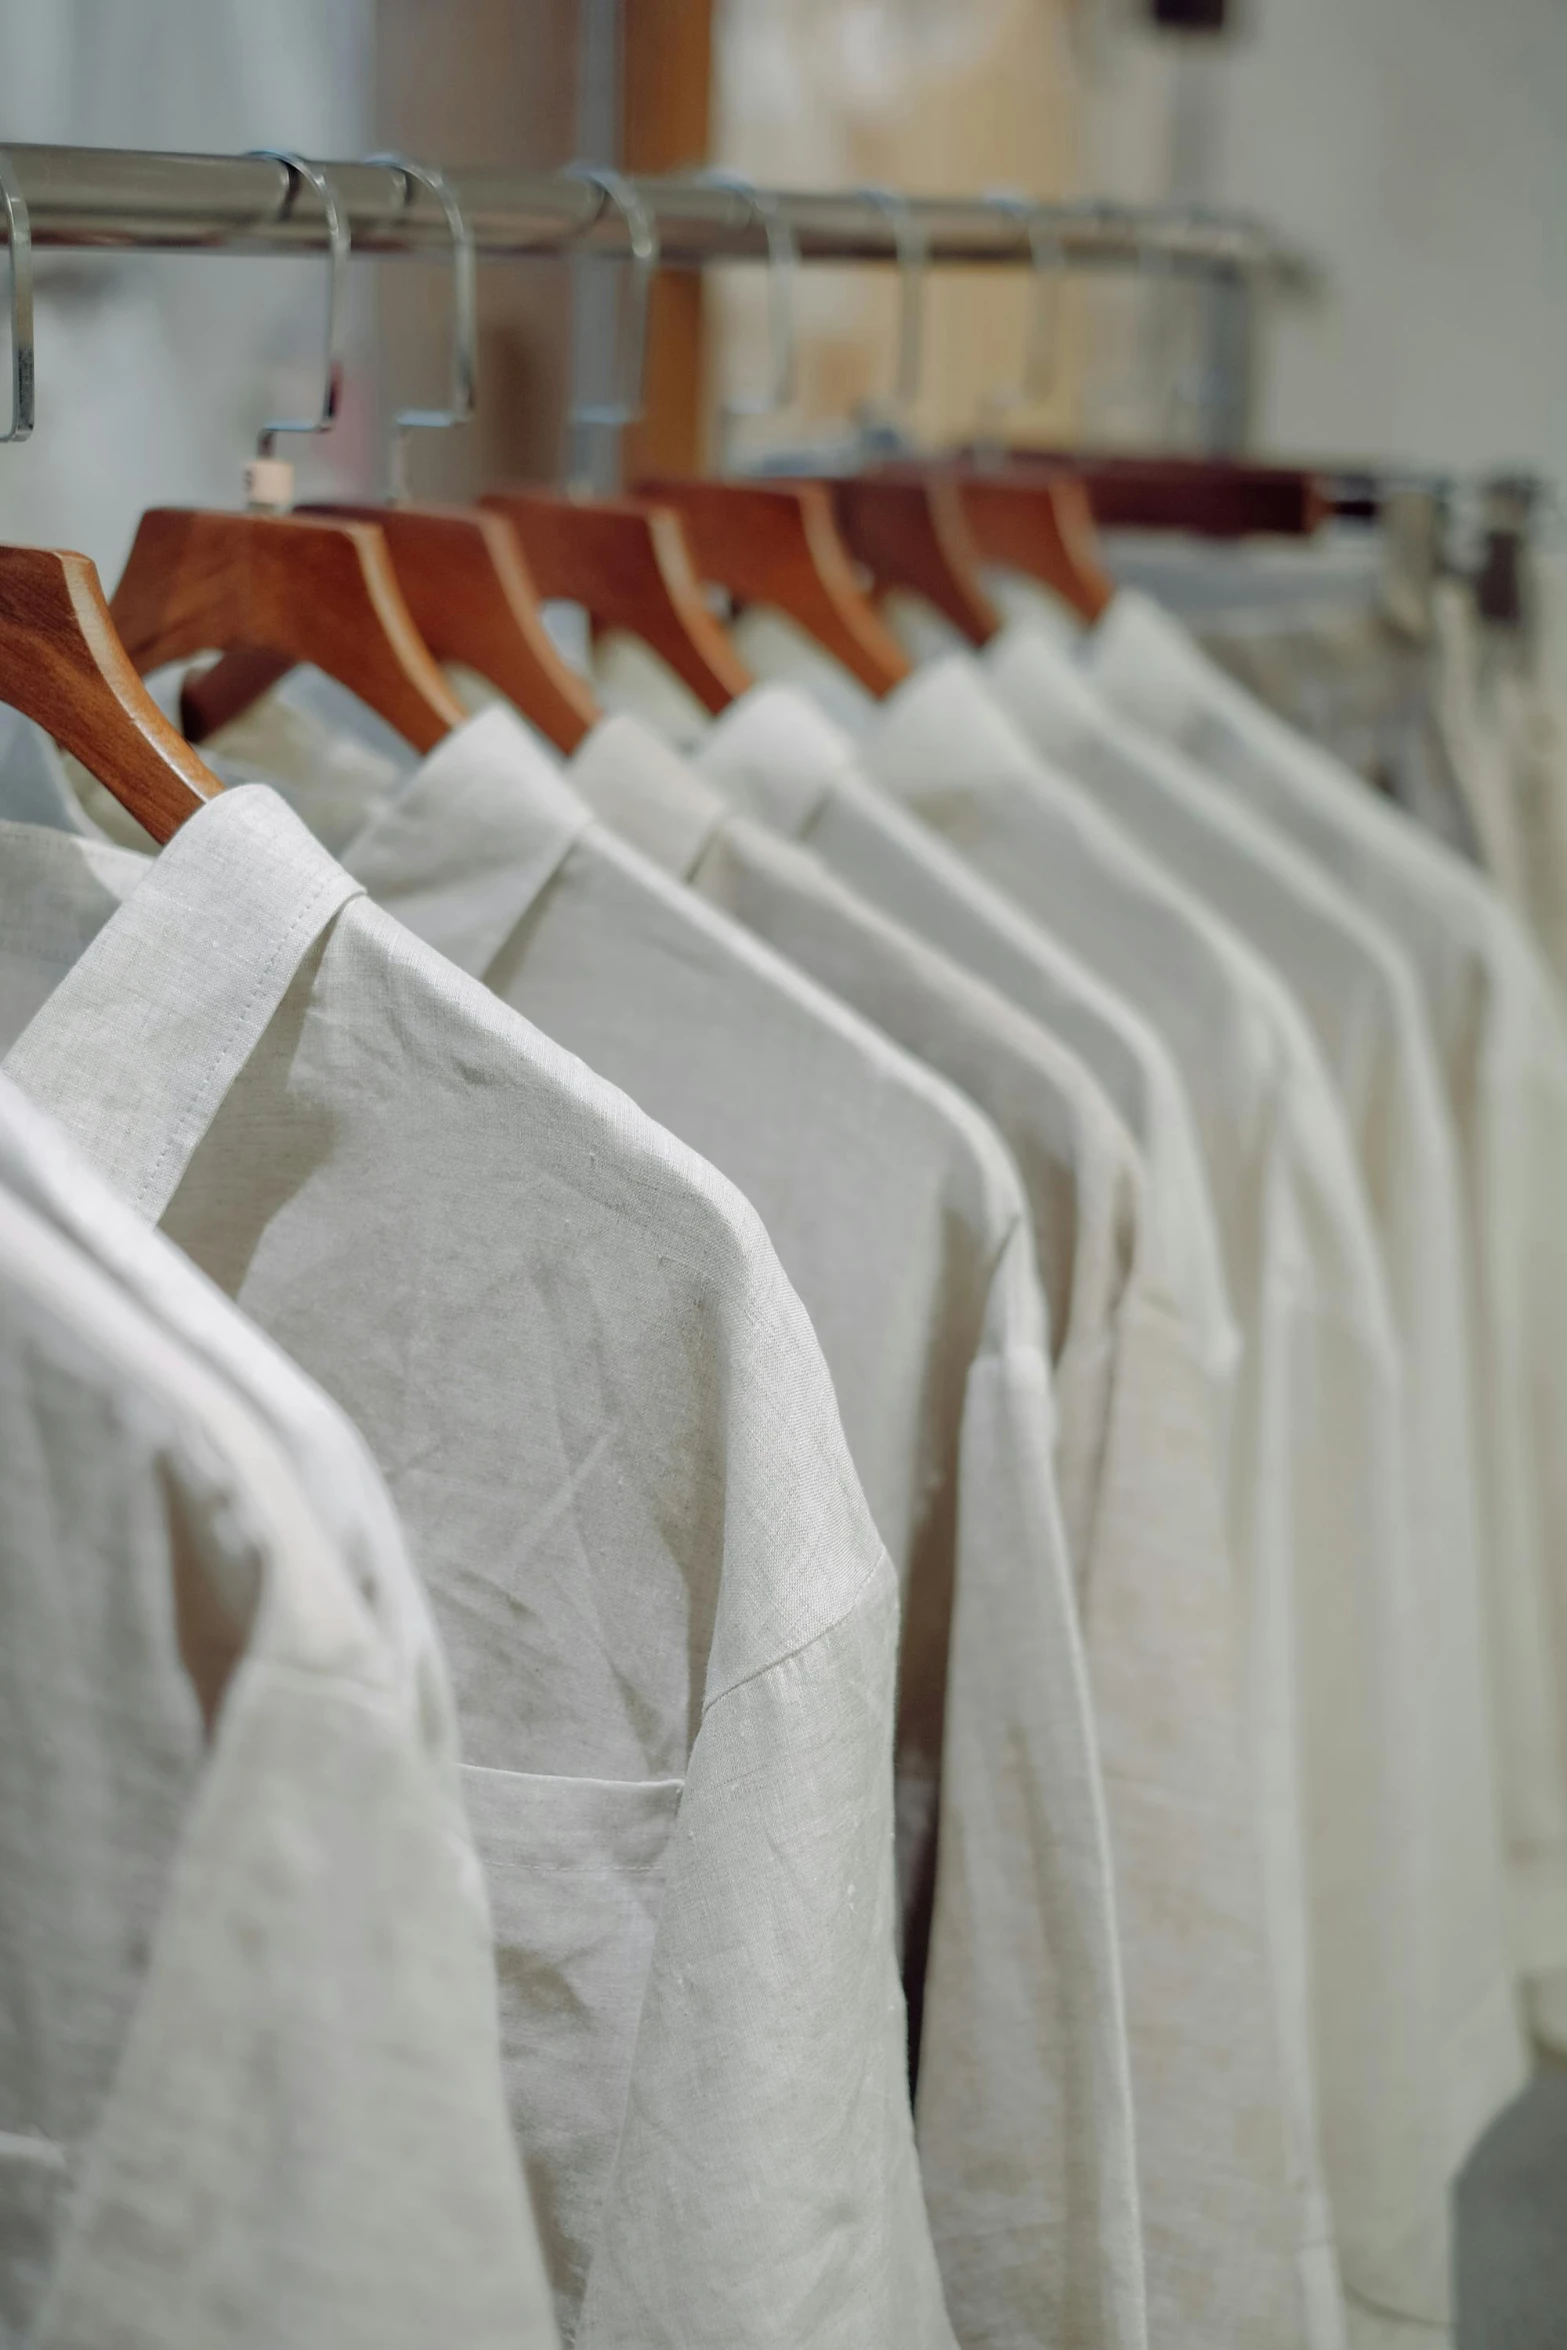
[(575, 1870)]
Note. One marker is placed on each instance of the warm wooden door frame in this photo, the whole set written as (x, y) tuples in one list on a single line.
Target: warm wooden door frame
[(666, 114)]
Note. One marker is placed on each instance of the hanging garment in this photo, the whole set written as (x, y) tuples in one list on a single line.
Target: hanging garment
[(1190, 1899), (1081, 1171), (1302, 629), (781, 748), (1362, 1001), (250, 2076), (604, 1420), (1503, 1054), (776, 757), (902, 1224), (788, 764), (1142, 1488), (778, 650), (628, 677), (1341, 1717)]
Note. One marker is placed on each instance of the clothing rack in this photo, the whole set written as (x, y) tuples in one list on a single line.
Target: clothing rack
[(110, 199), (129, 199)]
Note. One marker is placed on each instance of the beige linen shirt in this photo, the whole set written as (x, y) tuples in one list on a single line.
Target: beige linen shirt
[(1320, 1501), (1138, 1457), (671, 1626), (1361, 997), (248, 2063), (900, 1220), (1497, 1023)]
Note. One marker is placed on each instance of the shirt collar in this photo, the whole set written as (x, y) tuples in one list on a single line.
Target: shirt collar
[(475, 835), (1041, 683), (649, 794), (778, 651), (136, 1047), (776, 756), (942, 730), (1145, 661)]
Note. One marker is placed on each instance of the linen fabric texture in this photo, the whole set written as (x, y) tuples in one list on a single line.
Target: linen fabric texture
[(901, 1222), (1496, 1021), (250, 2072), (1358, 992), (670, 1622), (1140, 1473)]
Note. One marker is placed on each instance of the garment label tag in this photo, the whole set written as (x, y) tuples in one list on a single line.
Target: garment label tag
[(269, 485)]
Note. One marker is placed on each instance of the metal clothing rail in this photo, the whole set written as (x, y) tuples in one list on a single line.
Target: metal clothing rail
[(111, 198)]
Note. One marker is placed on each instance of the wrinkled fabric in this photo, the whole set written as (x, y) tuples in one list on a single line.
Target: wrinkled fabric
[(248, 2055), (1362, 1000), (903, 1227), (1320, 1501), (670, 1624), (1496, 1020), (1142, 1488), (778, 759)]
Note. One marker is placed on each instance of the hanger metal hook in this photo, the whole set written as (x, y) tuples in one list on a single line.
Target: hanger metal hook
[(1046, 257), (465, 320), (1130, 378), (338, 245), (643, 239), (19, 238), (783, 255), (913, 247)]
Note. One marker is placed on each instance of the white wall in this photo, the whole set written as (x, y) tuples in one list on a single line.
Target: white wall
[(154, 373), (1419, 148)]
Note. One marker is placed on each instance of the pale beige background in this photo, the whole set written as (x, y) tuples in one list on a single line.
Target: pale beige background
[(939, 96), (1413, 148)]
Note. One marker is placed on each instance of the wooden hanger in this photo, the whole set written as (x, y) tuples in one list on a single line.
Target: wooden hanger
[(472, 600), (465, 585), (905, 524), (63, 665), (909, 531), (777, 543), (1041, 526), (630, 566), (286, 588)]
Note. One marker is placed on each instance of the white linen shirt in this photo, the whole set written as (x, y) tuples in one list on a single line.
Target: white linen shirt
[(777, 758), (901, 1221), (1081, 1172), (671, 1626), (249, 2076), (1498, 1028), (1363, 1003), (1140, 1474), (1320, 1517)]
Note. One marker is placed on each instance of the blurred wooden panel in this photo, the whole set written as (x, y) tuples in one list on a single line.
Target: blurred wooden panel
[(666, 81), (494, 82), (946, 97)]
